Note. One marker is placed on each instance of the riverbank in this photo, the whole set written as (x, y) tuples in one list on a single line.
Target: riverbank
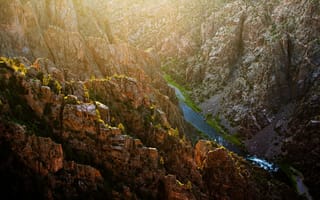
[(213, 122), (296, 179), (184, 91), (211, 127)]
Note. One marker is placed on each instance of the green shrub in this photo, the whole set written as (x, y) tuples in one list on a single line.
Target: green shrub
[(70, 99), (121, 127), (52, 83)]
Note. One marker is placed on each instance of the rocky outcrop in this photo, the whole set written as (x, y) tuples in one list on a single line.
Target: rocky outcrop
[(257, 68), (228, 177), (270, 69), (253, 65), (219, 166), (143, 113), (38, 164), (84, 136), (70, 143), (92, 118), (74, 35), (274, 77)]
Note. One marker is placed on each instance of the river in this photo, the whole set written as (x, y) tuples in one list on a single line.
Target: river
[(199, 122)]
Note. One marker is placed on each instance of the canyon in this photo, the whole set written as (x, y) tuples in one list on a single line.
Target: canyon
[(86, 112)]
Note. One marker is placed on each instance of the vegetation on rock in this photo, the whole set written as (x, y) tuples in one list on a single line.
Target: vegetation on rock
[(86, 111)]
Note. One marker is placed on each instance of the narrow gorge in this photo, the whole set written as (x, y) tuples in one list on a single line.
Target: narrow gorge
[(160, 99)]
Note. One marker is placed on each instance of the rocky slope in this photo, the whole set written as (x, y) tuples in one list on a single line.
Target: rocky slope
[(58, 138), (91, 118), (74, 35), (257, 70), (254, 65)]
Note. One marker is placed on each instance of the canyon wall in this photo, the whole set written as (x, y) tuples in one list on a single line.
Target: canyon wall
[(86, 115), (253, 66)]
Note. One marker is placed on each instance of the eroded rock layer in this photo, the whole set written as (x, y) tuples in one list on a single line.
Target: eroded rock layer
[(85, 117)]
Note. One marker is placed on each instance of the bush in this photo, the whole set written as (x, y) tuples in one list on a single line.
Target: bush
[(52, 83), (121, 127)]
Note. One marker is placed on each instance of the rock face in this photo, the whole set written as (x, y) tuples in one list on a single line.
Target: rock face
[(254, 65), (74, 152), (258, 69), (75, 35), (85, 138), (35, 167), (218, 166), (117, 135)]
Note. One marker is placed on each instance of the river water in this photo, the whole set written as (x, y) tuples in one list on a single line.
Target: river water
[(199, 122)]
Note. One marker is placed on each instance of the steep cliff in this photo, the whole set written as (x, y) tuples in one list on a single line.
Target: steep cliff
[(56, 136), (256, 69), (74, 35), (84, 116), (253, 65)]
